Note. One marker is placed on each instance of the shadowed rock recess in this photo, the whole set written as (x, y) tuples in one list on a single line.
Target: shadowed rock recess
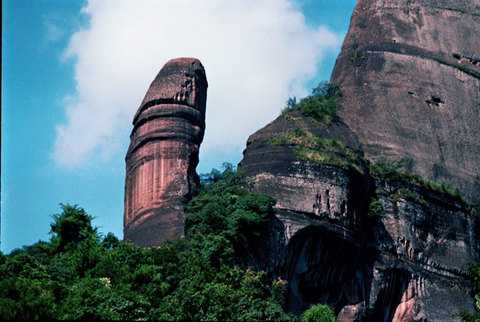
[(163, 154)]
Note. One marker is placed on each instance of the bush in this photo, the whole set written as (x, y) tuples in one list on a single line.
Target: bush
[(319, 313), (291, 103), (474, 273), (327, 90), (71, 226), (320, 106), (469, 317)]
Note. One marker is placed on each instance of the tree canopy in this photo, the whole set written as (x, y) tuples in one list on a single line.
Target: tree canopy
[(80, 274)]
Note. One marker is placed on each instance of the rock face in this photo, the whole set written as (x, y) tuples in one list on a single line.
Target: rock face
[(374, 247), (410, 72), (299, 185), (425, 242), (406, 262), (163, 154), (320, 213)]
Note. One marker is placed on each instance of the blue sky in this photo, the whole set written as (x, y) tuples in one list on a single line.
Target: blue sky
[(63, 137)]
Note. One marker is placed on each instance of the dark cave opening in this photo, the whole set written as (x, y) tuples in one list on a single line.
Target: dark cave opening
[(323, 267), (395, 283)]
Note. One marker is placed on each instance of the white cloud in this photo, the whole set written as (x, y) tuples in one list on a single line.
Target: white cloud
[(256, 54)]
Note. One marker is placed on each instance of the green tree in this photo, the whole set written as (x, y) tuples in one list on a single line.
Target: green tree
[(71, 226)]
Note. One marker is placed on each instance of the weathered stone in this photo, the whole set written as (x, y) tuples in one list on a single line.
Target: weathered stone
[(410, 74), (426, 242), (163, 154), (319, 189), (319, 215), (407, 263)]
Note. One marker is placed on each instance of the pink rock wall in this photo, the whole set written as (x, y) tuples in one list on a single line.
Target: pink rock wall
[(163, 153), (410, 74)]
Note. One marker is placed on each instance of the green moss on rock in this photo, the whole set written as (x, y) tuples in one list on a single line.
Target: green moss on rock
[(312, 148)]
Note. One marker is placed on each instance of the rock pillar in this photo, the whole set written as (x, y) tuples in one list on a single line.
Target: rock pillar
[(162, 157)]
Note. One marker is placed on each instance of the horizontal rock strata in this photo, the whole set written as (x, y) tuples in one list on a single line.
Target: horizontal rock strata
[(162, 157), (405, 261)]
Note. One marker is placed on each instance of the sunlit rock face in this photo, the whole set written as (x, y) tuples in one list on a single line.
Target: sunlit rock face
[(410, 72), (161, 161), (304, 186)]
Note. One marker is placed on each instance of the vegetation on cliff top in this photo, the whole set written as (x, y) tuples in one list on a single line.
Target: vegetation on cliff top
[(321, 106), (79, 274), (398, 171), (310, 147)]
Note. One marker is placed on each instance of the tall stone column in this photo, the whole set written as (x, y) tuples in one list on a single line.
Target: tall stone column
[(162, 157)]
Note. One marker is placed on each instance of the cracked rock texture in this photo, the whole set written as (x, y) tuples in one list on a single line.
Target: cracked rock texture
[(163, 154), (410, 72), (425, 242), (410, 76), (407, 262)]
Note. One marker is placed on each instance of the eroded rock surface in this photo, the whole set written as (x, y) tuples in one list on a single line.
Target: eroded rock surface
[(410, 76), (302, 185), (410, 72), (425, 243), (162, 158), (407, 261), (320, 212)]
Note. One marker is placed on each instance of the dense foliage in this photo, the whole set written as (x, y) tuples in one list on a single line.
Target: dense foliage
[(319, 313), (79, 274), (320, 106)]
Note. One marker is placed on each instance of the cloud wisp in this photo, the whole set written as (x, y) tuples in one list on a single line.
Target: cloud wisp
[(256, 54)]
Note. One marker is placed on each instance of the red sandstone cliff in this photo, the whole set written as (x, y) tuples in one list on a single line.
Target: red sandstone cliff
[(408, 262), (410, 72), (410, 76), (163, 154)]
